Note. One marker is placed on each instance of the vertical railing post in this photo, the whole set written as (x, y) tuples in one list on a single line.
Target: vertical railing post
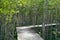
[(44, 18), (56, 17)]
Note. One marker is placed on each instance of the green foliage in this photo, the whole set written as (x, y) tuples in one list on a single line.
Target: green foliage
[(27, 11)]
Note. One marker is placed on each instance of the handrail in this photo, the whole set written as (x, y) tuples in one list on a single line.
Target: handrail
[(22, 27)]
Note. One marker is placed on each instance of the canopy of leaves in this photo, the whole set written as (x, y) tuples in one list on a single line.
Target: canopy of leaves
[(28, 12)]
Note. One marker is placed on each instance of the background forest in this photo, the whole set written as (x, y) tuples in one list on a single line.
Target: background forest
[(14, 13)]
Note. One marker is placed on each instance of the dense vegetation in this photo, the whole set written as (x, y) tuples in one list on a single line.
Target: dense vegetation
[(15, 13)]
